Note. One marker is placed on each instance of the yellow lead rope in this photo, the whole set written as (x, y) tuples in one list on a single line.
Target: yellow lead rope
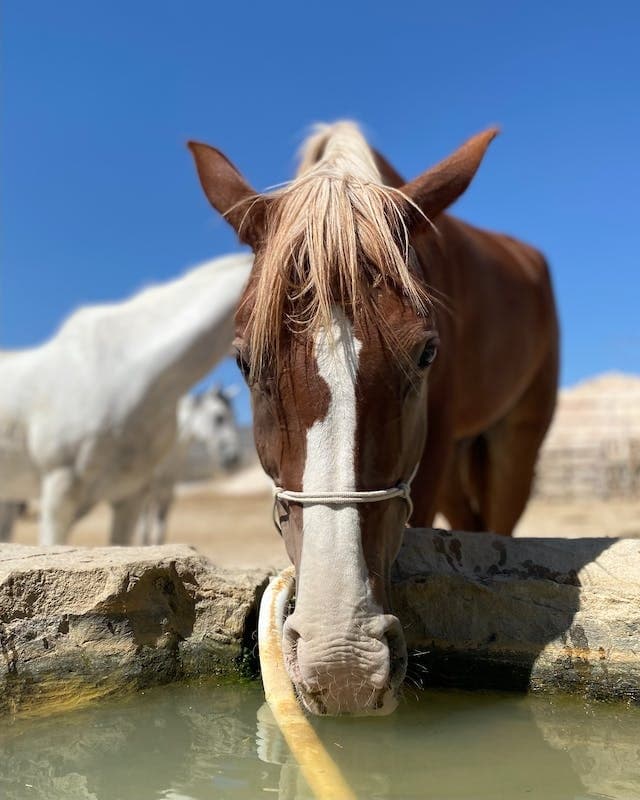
[(318, 768)]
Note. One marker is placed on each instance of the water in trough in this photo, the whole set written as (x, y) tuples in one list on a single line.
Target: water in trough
[(219, 741)]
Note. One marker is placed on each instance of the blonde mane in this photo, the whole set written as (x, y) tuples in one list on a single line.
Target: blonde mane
[(333, 234)]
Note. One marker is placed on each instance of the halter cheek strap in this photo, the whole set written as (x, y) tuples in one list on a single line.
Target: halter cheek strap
[(402, 489)]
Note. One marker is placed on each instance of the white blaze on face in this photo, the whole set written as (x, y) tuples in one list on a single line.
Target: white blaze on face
[(332, 573)]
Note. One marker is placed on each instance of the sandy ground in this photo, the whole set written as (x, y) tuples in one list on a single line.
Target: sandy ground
[(230, 521)]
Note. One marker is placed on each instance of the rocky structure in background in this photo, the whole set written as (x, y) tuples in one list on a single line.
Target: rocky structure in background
[(593, 446), (79, 624)]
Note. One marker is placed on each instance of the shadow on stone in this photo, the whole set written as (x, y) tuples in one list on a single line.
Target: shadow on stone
[(555, 614)]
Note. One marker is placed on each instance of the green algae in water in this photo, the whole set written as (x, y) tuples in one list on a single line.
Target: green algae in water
[(219, 741)]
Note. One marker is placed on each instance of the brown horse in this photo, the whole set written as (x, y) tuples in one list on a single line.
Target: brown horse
[(359, 281)]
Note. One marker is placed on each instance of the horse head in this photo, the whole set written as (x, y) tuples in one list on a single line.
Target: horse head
[(208, 420), (336, 334)]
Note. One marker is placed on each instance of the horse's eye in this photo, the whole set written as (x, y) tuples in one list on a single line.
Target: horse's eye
[(243, 366), (428, 355)]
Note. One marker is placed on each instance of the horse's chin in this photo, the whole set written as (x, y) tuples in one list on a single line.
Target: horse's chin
[(388, 705), (383, 704)]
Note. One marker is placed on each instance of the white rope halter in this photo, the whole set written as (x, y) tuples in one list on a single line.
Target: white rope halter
[(346, 498)]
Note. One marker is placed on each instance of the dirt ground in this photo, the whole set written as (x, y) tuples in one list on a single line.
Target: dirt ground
[(230, 522)]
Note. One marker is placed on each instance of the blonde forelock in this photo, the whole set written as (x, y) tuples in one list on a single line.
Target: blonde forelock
[(333, 234)]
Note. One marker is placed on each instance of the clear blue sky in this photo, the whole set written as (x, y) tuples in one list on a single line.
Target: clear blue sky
[(99, 195)]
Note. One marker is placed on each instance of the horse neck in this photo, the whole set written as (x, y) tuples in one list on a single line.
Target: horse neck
[(181, 330)]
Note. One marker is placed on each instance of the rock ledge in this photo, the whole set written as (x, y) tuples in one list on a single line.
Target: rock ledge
[(78, 624), (81, 623)]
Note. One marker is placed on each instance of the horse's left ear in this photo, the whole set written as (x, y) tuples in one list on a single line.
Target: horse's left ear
[(438, 187), (229, 193)]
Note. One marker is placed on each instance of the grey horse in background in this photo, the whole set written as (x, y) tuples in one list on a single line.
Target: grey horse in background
[(90, 414), (208, 442)]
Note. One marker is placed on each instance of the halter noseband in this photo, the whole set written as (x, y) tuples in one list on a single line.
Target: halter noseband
[(401, 489)]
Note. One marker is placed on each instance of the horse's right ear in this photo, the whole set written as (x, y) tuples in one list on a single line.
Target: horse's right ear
[(435, 190), (229, 193)]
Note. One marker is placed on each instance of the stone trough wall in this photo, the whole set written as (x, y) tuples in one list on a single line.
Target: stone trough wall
[(541, 614), (78, 624)]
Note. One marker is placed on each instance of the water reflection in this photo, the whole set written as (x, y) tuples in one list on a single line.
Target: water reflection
[(195, 743), (602, 745)]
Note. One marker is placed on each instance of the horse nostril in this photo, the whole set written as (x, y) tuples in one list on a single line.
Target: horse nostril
[(380, 678), (397, 645), (391, 670), (290, 631), (291, 638)]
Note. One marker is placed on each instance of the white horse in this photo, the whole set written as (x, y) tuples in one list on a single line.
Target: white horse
[(9, 513), (208, 441), (88, 415)]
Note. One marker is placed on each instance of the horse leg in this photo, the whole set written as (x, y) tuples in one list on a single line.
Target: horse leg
[(8, 513), (144, 525), (457, 499), (126, 515), (163, 506), (60, 506), (152, 523), (512, 446)]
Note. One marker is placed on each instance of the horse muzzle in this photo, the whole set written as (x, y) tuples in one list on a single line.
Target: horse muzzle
[(356, 669)]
